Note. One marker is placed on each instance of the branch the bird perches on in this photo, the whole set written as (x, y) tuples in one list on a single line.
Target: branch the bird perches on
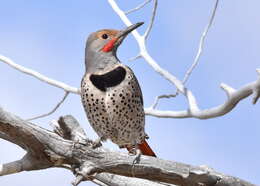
[(68, 147)]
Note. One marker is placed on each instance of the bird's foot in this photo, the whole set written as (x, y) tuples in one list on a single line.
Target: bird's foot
[(85, 142), (97, 143), (137, 154), (135, 151)]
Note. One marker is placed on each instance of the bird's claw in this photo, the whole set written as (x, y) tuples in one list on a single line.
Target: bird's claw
[(136, 159), (97, 143), (84, 142), (137, 156)]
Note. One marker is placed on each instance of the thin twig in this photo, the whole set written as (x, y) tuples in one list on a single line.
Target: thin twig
[(201, 44), (135, 58), (198, 55), (39, 76), (228, 89), (149, 28), (53, 110), (156, 101), (138, 7)]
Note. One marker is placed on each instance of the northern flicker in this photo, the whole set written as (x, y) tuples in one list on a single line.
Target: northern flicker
[(111, 94)]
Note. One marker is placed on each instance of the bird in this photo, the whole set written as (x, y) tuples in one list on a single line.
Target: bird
[(111, 95)]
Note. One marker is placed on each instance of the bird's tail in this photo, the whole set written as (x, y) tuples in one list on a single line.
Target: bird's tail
[(145, 149)]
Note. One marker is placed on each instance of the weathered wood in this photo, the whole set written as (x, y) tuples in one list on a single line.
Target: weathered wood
[(70, 148)]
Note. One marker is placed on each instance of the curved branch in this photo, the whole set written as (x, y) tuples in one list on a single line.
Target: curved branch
[(156, 101), (233, 98), (39, 76), (53, 110), (138, 7)]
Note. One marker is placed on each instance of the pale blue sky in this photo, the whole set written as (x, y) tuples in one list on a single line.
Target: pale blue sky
[(49, 36)]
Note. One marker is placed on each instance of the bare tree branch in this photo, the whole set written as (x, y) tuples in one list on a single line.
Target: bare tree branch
[(201, 44), (149, 28), (115, 180), (88, 163), (193, 110), (197, 58), (11, 168), (138, 7), (39, 76), (135, 58), (256, 90), (53, 110), (156, 101), (233, 98), (27, 163), (228, 89)]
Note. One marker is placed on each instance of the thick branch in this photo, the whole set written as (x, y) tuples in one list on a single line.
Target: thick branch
[(27, 163), (11, 168), (58, 152), (115, 180)]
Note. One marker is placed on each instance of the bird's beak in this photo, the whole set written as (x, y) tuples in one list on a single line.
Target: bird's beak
[(113, 44), (123, 33)]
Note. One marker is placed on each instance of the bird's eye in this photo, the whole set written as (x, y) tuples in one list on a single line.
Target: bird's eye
[(104, 36)]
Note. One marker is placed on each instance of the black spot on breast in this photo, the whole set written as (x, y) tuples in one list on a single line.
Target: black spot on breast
[(109, 79)]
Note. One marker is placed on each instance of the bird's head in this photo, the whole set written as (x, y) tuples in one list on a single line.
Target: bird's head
[(102, 45)]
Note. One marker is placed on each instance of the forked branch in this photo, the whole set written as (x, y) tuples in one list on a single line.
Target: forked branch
[(46, 149), (193, 108), (234, 97)]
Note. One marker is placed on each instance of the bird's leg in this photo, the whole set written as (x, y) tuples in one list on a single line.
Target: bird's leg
[(137, 152), (97, 143), (85, 142), (134, 150)]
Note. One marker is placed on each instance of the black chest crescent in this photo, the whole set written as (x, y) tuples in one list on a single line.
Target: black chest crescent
[(109, 79)]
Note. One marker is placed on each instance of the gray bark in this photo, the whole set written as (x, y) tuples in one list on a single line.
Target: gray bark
[(68, 147)]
